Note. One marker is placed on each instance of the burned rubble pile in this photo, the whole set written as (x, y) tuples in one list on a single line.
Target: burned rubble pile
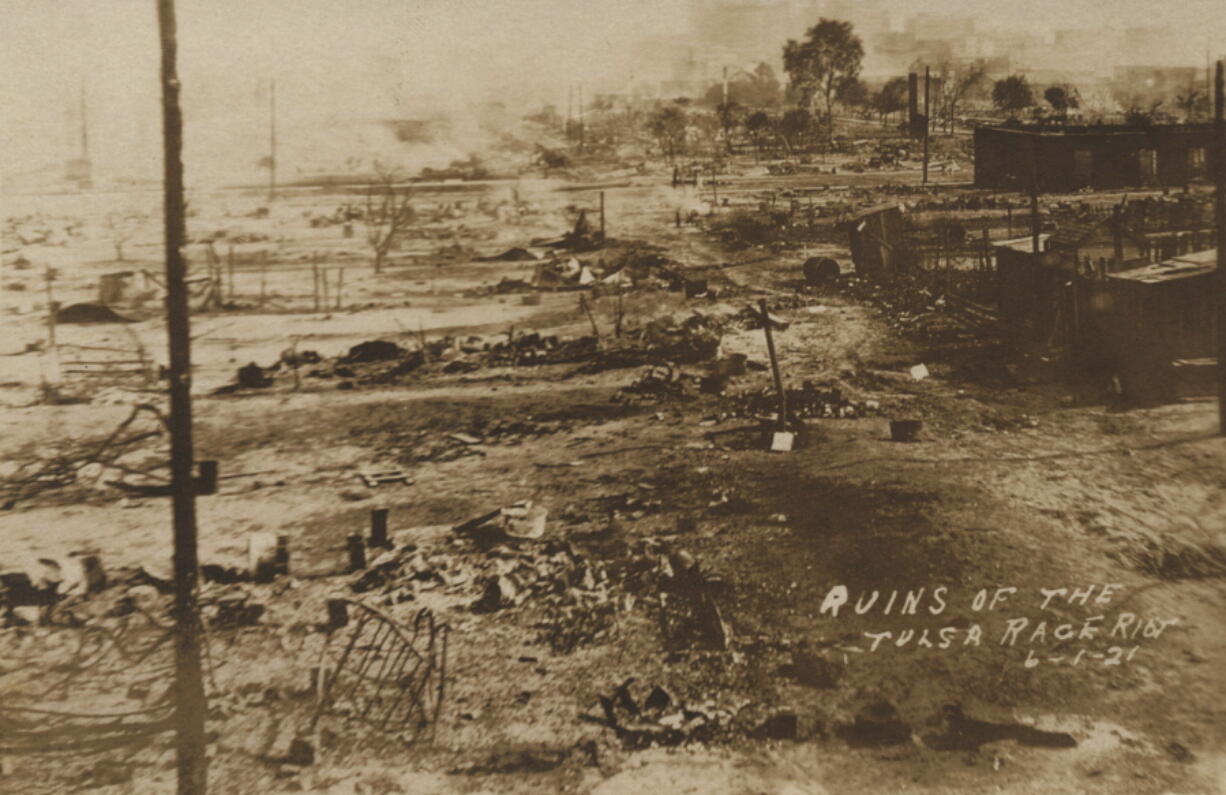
[(659, 719), (575, 587), (620, 264), (808, 402), (692, 340)]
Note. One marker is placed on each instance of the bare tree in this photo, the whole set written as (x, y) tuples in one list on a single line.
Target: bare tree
[(389, 210), (957, 84)]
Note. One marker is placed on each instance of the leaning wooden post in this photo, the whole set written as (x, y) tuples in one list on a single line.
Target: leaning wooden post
[(190, 705), (583, 304), (770, 349)]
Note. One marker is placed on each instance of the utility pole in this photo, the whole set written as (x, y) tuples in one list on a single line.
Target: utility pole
[(926, 124), (1219, 180), (84, 125), (582, 131), (1034, 196), (190, 703), (272, 140)]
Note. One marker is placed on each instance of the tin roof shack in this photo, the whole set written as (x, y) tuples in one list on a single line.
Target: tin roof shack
[(879, 242), (1099, 246), (1068, 158), (1162, 327), (1028, 286)]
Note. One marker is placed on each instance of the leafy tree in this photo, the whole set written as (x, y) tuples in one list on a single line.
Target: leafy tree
[(891, 98), (1012, 94), (794, 127), (668, 126), (707, 127), (829, 54), (1062, 99), (758, 125), (853, 93)]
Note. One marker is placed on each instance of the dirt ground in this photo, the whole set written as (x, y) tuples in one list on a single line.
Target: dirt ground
[(1010, 488)]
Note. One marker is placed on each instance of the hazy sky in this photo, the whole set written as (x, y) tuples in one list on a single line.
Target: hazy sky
[(343, 59)]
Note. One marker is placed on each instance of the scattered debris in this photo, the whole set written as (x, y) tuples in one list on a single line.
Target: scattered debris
[(659, 720), (374, 479)]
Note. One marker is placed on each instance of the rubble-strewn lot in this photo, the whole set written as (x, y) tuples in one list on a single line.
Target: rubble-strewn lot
[(579, 488)]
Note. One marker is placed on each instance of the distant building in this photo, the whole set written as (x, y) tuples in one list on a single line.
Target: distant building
[(1066, 158)]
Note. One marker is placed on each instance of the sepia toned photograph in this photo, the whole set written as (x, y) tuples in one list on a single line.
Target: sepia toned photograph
[(710, 397)]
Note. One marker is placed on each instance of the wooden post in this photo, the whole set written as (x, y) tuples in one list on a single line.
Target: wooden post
[(617, 328), (583, 304), (315, 285), (296, 364), (714, 190), (770, 349), (927, 80), (602, 227), (378, 527), (47, 279), (338, 613), (207, 482), (1117, 236), (190, 705), (272, 142), (357, 552), (340, 284), (230, 272), (1219, 127), (323, 280)]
